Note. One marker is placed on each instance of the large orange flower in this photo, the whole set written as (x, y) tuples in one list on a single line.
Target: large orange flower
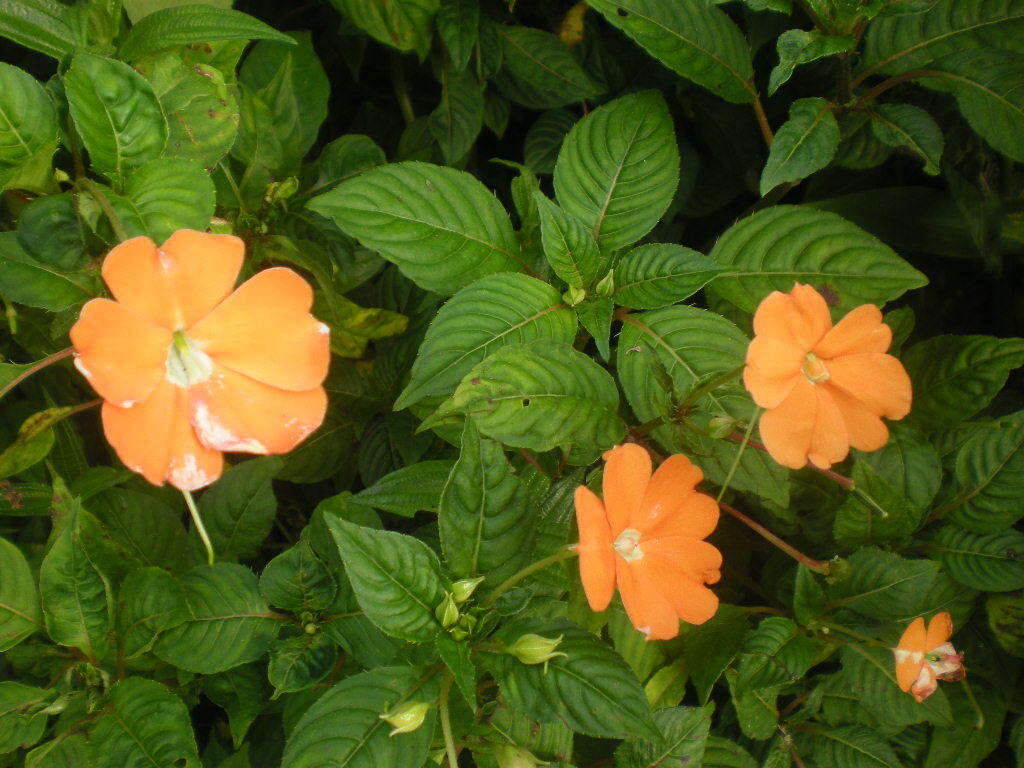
[(925, 656), (647, 538), (188, 369), (825, 387)]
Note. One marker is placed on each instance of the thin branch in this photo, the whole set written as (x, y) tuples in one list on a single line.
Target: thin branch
[(815, 565), (35, 368)]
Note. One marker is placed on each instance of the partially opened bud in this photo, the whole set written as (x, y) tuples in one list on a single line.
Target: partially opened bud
[(535, 649), (463, 589), (447, 612), (509, 756), (574, 296), (406, 717), (606, 285)]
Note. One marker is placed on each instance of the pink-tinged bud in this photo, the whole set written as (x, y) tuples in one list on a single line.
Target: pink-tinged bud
[(406, 717)]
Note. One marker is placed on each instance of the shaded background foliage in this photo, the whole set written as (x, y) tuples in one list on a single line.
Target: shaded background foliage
[(279, 653)]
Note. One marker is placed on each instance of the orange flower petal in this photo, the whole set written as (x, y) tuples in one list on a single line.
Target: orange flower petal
[(876, 379), (264, 330), (771, 370), (231, 412), (862, 330), (122, 354), (693, 603), (597, 558), (807, 425), (694, 515), (907, 671), (668, 486), (940, 629), (682, 558), (627, 471), (155, 439), (915, 637), (648, 610), (799, 318), (178, 283), (865, 430)]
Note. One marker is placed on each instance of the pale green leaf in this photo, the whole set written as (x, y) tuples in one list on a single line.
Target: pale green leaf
[(25, 280), (799, 46), (658, 275), (163, 196), (239, 509), (42, 25), (20, 615), (804, 144), (407, 490), (28, 121), (683, 734), (910, 127), (569, 247)]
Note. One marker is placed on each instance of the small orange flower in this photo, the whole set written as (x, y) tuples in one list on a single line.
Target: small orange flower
[(188, 369), (824, 387), (925, 656), (647, 538)]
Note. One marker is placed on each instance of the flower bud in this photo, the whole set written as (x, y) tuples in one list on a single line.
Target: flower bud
[(606, 285), (574, 296), (447, 612), (510, 756), (463, 589), (406, 717), (721, 426), (535, 649)]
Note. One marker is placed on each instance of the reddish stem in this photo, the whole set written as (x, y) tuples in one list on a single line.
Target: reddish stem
[(44, 363), (842, 480), (815, 565)]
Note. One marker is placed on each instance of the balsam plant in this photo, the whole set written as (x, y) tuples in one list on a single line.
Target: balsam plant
[(528, 295)]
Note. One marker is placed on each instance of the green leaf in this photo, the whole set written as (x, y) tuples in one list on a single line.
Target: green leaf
[(954, 377), (711, 647), (300, 662), (684, 732), (904, 125), (20, 615), (590, 689), (540, 71), (966, 745), (569, 247), (757, 709), (989, 477), (163, 196), (804, 144), (144, 726), (22, 714), (28, 121), (485, 513), (493, 312), (42, 25), (240, 693), (353, 327), (76, 595), (196, 23), (808, 596), (544, 139), (25, 280), (298, 581), (786, 243), (658, 275), (458, 118), (343, 158), (290, 80), (798, 46), (239, 509), (992, 562), (440, 226), (852, 746), (869, 675), (69, 750), (145, 528), (227, 623), (408, 490), (723, 753), (540, 397), (396, 578), (776, 652), (202, 110), (343, 728), (595, 314), (694, 39), (897, 44), (50, 232), (150, 601), (406, 25), (1006, 619), (458, 24), (458, 657), (619, 168), (116, 113)]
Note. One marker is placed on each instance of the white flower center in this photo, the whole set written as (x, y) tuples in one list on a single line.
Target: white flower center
[(628, 544), (186, 363), (814, 369)]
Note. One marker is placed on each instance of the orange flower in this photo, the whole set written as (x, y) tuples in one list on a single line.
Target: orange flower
[(925, 656), (647, 538), (188, 369), (825, 387)]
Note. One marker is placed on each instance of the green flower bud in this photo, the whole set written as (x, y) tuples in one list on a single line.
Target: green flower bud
[(535, 649), (463, 589), (447, 612), (509, 756), (407, 717), (574, 296), (606, 285), (310, 628), (721, 426)]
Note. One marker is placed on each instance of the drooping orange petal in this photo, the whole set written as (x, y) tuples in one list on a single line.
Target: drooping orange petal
[(693, 515), (627, 471), (807, 426), (876, 379), (862, 330), (940, 629), (231, 412), (178, 283), (597, 558), (865, 429), (907, 670), (799, 318), (648, 610), (692, 602), (122, 354), (771, 370), (265, 331), (681, 558), (155, 439), (915, 637), (671, 483), (830, 442)]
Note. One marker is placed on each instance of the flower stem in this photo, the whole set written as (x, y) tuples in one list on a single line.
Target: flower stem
[(200, 528), (562, 554), (36, 367), (979, 721), (815, 565), (856, 635), (762, 121), (108, 210), (446, 722), (739, 454)]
